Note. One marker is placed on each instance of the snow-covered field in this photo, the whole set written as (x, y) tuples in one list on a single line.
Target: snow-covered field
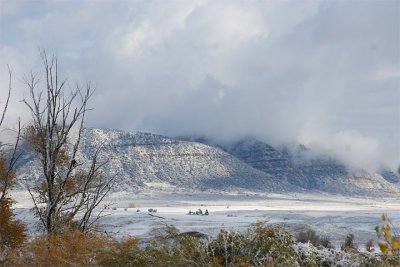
[(333, 216)]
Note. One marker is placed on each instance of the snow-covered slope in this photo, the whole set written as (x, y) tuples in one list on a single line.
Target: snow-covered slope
[(328, 174), (264, 157), (140, 160), (299, 166)]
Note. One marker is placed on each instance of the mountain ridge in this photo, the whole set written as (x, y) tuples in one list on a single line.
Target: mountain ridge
[(139, 160), (316, 173)]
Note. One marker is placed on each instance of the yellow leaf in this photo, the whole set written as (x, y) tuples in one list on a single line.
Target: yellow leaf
[(395, 242), (383, 247)]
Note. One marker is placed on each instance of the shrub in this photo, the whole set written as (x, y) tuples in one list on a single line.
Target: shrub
[(349, 243), (12, 231), (326, 242), (369, 246), (272, 243), (125, 252), (259, 245), (306, 254), (169, 247), (68, 249), (228, 248), (389, 246), (308, 236)]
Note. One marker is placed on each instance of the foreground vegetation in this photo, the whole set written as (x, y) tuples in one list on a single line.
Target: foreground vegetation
[(259, 245)]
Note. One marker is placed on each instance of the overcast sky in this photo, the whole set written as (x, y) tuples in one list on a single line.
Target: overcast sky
[(322, 73)]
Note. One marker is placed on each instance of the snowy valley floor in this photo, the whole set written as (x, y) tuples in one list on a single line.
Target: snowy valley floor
[(333, 216)]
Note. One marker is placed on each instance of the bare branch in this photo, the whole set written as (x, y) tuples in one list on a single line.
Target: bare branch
[(36, 207), (8, 96), (6, 181), (67, 189)]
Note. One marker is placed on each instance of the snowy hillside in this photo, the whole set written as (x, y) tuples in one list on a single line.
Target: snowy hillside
[(264, 157), (147, 160), (298, 166), (143, 160)]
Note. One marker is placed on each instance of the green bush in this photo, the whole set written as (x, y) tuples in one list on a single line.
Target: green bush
[(259, 245), (169, 247)]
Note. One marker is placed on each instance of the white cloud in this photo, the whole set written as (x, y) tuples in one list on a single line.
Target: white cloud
[(319, 72)]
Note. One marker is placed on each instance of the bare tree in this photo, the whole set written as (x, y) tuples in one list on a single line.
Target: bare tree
[(68, 193), (7, 166), (7, 174), (12, 231)]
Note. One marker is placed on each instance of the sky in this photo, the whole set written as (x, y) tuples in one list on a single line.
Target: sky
[(325, 74)]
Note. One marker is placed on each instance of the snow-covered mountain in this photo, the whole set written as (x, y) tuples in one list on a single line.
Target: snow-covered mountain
[(298, 166), (264, 157), (140, 160)]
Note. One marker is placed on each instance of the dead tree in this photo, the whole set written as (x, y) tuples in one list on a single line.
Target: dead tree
[(68, 193), (7, 165), (12, 230)]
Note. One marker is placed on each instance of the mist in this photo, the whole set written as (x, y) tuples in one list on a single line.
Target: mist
[(325, 74)]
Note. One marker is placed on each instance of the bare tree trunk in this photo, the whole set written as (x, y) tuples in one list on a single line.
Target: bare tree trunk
[(67, 190)]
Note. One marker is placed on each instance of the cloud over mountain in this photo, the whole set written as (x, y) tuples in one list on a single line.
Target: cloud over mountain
[(321, 73)]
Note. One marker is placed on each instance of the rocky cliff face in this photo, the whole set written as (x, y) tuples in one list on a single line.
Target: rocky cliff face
[(390, 176), (264, 157), (297, 165)]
